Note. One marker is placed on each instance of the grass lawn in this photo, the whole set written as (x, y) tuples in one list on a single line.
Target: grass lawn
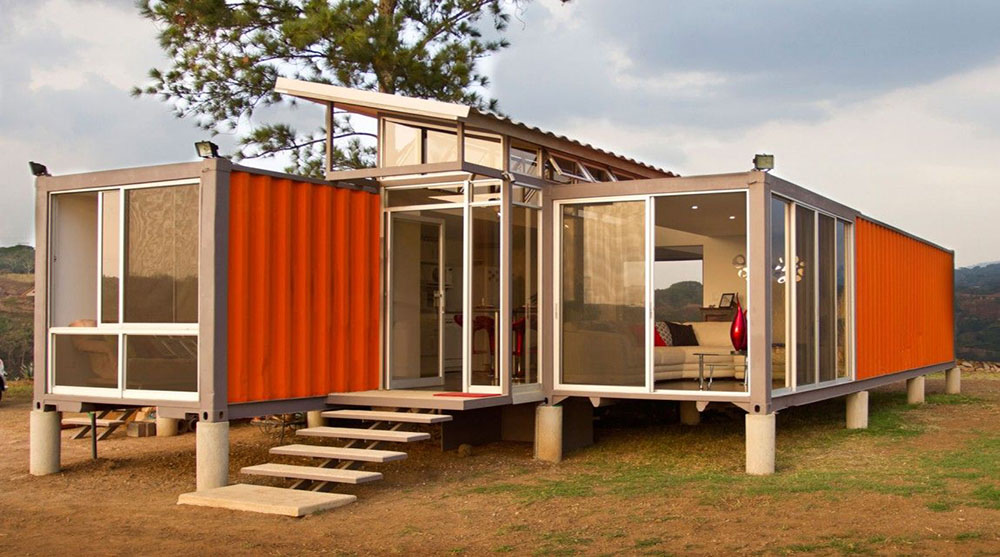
[(920, 480)]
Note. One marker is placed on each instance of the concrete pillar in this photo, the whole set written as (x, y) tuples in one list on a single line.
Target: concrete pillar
[(212, 454), (167, 427), (689, 413), (953, 381), (314, 418), (549, 433), (45, 443), (760, 444), (857, 410), (915, 390)]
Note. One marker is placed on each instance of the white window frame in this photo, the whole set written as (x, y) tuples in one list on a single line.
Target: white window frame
[(650, 247), (466, 205), (791, 309), (121, 329)]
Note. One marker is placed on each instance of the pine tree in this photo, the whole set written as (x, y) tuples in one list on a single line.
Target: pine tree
[(226, 55)]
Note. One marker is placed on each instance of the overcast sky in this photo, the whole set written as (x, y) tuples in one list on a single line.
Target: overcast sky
[(891, 107)]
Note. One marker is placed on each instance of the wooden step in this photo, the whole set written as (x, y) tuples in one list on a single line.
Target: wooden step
[(364, 434), (101, 422), (312, 473), (376, 416), (340, 453), (266, 499)]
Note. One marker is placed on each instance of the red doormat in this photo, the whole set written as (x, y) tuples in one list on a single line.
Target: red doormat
[(466, 395)]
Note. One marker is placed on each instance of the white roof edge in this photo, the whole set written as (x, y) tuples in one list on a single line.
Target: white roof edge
[(370, 99)]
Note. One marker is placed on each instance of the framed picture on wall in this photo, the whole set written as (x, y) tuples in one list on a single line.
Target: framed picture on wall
[(727, 300)]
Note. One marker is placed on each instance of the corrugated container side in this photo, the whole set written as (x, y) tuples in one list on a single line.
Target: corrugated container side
[(303, 289), (905, 302)]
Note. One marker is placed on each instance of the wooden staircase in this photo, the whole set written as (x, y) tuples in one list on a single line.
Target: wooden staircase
[(332, 465), (103, 420)]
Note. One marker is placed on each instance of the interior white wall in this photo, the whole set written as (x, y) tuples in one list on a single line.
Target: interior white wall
[(719, 275), (73, 260)]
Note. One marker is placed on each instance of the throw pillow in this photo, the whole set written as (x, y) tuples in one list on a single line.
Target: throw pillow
[(682, 335), (663, 333), (639, 330)]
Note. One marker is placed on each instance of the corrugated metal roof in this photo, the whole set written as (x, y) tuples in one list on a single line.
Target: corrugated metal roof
[(558, 137)]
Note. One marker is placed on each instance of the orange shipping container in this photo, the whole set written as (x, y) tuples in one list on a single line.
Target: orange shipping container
[(905, 302), (303, 302)]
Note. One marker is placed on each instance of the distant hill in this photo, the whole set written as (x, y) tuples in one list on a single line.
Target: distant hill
[(17, 259), (977, 311), (680, 301)]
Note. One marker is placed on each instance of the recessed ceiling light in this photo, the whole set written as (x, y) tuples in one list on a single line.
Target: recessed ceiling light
[(732, 217), (694, 206)]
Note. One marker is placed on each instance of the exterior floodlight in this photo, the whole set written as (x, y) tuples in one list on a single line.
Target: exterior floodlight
[(207, 149), (38, 169), (763, 162)]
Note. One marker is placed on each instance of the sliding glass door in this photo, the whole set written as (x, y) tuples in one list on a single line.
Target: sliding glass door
[(418, 299), (646, 288), (602, 294), (811, 300)]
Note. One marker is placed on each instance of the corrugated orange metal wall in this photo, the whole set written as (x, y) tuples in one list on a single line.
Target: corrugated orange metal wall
[(303, 289), (905, 302)]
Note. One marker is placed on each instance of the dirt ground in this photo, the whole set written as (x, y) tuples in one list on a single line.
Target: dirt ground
[(921, 481)]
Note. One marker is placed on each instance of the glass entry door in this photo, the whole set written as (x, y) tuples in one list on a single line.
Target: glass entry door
[(418, 283)]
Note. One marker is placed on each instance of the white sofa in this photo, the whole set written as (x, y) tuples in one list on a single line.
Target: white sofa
[(680, 362)]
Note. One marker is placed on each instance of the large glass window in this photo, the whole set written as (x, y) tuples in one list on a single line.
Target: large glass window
[(818, 282), (401, 145), (73, 259), (603, 293), (161, 363), (110, 264), (699, 274), (161, 255), (483, 150), (827, 274), (485, 295), (524, 302), (440, 146), (524, 160), (779, 292), (85, 360), (843, 303), (89, 324), (805, 296)]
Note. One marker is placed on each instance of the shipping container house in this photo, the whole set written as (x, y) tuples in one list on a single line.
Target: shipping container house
[(480, 264)]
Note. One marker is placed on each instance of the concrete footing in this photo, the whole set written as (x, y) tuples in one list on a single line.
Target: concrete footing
[(857, 410), (212, 455), (760, 444), (549, 433), (915, 390), (45, 444), (953, 381), (167, 427), (689, 412), (314, 418)]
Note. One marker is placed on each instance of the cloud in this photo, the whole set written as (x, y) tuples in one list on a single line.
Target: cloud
[(73, 110), (725, 64), (889, 107)]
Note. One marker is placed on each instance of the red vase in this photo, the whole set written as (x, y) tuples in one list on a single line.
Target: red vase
[(738, 330)]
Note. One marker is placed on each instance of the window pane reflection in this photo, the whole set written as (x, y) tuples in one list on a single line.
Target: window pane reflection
[(603, 293), (161, 263)]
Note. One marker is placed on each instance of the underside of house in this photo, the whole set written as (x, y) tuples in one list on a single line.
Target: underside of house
[(484, 272)]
